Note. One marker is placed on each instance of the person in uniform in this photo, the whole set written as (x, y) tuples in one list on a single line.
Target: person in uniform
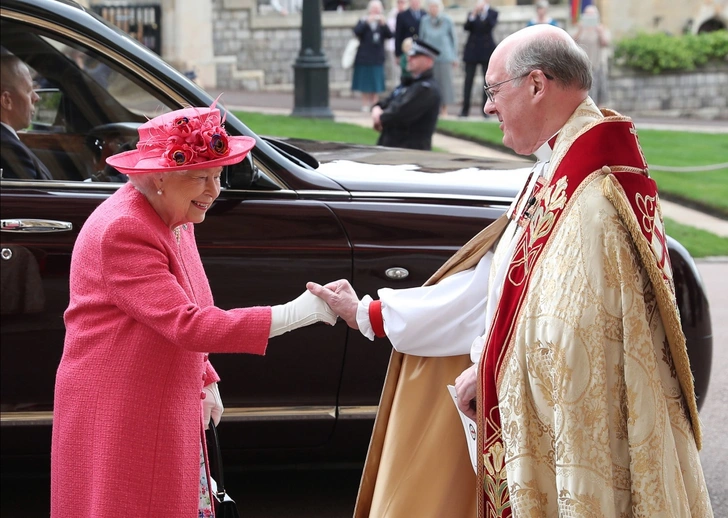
[(407, 118)]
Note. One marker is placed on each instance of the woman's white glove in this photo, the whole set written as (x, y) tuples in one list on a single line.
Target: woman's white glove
[(306, 309), (211, 405)]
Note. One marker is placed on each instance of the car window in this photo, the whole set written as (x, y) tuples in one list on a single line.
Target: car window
[(116, 84), (89, 107)]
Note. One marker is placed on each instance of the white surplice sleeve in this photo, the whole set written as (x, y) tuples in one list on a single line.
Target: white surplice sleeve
[(438, 320)]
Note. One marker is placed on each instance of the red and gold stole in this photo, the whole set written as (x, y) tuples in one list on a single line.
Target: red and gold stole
[(610, 143)]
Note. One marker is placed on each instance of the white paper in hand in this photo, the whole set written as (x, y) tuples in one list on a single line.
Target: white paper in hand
[(471, 430)]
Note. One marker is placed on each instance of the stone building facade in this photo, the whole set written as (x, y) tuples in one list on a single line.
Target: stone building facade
[(239, 44)]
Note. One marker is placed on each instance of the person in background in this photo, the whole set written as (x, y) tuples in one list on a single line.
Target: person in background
[(291, 6), (392, 58), (542, 14), (368, 77), (407, 26), (336, 5), (17, 106), (595, 39), (558, 324), (480, 45), (135, 388), (438, 30), (407, 118)]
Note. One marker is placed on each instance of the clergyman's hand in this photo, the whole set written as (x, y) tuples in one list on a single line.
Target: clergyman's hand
[(466, 385), (341, 298)]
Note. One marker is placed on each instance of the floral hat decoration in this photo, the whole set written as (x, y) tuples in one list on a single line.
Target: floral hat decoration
[(190, 138)]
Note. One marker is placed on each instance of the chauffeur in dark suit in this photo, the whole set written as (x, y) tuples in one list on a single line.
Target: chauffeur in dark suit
[(480, 45), (408, 25), (17, 105), (407, 118)]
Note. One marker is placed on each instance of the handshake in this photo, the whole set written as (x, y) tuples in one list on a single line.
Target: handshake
[(317, 304)]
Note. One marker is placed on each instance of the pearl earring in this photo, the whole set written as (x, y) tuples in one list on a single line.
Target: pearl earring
[(159, 191)]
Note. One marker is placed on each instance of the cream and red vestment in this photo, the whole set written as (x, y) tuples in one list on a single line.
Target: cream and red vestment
[(586, 405)]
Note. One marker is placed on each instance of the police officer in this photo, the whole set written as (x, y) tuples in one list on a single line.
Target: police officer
[(407, 118)]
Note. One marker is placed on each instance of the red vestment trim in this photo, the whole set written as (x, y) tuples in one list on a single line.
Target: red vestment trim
[(376, 319)]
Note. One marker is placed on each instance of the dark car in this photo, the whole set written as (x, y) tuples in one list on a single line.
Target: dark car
[(293, 211)]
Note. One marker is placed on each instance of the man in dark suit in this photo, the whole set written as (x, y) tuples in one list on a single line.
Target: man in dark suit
[(407, 25), (480, 45), (407, 118), (17, 105)]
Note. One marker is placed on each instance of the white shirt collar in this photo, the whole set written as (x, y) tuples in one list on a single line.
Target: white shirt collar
[(544, 152), (11, 130)]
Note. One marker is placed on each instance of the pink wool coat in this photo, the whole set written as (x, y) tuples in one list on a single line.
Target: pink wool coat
[(127, 415)]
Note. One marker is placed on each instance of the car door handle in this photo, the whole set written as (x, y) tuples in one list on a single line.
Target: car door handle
[(397, 273), (34, 225)]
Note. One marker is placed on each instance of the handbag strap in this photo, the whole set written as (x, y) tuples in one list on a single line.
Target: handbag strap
[(215, 459)]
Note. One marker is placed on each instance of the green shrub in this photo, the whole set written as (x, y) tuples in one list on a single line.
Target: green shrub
[(660, 52)]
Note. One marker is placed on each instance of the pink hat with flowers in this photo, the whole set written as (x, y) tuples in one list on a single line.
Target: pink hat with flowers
[(191, 138)]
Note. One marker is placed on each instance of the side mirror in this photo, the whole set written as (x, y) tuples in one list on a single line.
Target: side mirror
[(47, 110), (241, 175)]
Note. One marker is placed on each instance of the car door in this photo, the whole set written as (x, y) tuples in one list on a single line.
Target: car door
[(258, 247), (261, 249)]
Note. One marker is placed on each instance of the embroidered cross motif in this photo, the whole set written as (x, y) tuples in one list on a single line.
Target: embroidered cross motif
[(647, 206)]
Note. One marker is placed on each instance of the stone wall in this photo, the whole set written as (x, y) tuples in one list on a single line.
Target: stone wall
[(257, 52), (701, 93)]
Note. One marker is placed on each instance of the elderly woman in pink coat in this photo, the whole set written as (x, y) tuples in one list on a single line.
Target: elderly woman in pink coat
[(134, 388)]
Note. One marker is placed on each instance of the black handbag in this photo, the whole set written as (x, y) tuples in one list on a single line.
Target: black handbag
[(222, 504)]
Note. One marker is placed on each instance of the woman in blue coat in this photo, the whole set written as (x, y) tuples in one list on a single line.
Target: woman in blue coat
[(369, 63)]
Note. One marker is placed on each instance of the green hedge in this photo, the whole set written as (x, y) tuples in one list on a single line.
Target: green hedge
[(660, 52)]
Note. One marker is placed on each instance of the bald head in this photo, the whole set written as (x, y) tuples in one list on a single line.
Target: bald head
[(539, 77), (548, 48)]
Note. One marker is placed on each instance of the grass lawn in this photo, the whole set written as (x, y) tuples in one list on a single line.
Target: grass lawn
[(686, 149), (698, 242), (313, 129), (662, 148)]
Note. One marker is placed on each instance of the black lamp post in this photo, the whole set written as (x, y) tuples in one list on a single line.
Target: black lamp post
[(311, 70)]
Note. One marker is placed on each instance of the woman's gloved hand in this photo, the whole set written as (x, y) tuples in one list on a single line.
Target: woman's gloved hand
[(305, 310), (211, 405)]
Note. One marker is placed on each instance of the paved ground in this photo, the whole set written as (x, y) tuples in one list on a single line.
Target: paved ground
[(348, 109)]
